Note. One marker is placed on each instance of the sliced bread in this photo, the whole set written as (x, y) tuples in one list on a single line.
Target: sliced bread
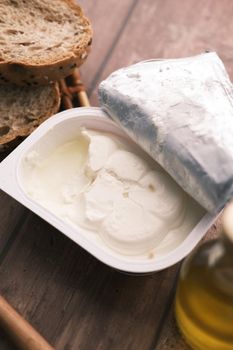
[(22, 109), (41, 41)]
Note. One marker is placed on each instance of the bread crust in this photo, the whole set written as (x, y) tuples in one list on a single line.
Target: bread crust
[(27, 74), (12, 134)]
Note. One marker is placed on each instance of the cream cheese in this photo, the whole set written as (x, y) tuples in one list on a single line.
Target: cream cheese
[(103, 184)]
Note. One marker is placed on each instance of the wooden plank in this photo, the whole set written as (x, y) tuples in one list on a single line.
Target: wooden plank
[(82, 296), (107, 18), (167, 28), (12, 215), (171, 338), (90, 305)]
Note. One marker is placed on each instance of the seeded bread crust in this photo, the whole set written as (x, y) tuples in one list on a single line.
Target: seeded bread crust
[(22, 109), (34, 53)]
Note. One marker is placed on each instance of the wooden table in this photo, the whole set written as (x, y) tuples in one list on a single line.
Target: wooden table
[(72, 299)]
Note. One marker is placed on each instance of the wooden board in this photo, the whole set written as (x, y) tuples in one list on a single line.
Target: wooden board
[(82, 295), (75, 301), (108, 20), (12, 215), (167, 28)]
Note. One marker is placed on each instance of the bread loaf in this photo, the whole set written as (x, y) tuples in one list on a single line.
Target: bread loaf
[(41, 41), (22, 109)]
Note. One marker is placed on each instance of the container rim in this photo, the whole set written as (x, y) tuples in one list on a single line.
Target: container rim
[(9, 182)]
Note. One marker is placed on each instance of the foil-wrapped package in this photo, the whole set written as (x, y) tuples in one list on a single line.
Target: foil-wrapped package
[(180, 111)]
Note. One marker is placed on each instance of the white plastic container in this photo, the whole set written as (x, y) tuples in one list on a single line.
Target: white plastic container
[(56, 131)]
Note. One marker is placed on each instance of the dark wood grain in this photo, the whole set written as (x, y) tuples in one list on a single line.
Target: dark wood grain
[(46, 274), (75, 301), (12, 214)]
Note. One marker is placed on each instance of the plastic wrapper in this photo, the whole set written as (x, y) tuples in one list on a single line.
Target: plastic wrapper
[(180, 111)]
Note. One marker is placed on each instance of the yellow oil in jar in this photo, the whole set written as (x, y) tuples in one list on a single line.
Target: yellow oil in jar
[(204, 298)]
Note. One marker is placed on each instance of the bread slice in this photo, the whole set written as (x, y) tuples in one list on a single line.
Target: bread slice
[(41, 41), (22, 109)]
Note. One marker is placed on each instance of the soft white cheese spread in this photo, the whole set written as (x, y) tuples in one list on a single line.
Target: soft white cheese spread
[(101, 183)]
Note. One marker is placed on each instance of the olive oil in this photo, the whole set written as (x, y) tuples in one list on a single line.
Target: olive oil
[(204, 298)]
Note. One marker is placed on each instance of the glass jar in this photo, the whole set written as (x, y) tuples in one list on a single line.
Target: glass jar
[(204, 298)]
